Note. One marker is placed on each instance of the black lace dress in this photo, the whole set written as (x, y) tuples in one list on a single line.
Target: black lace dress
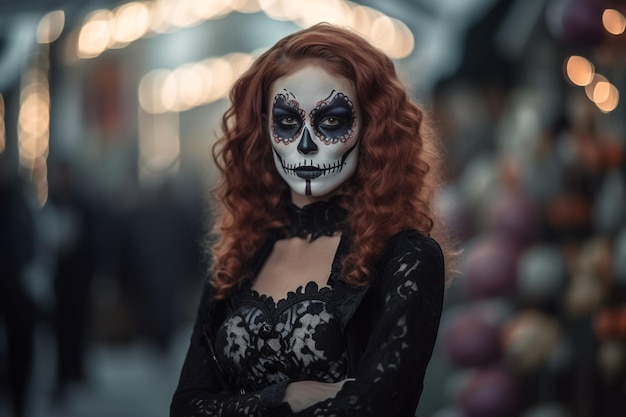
[(245, 350)]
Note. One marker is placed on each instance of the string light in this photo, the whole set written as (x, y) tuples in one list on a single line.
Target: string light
[(95, 35), (130, 22), (191, 85), (582, 73), (105, 29), (33, 131), (597, 87)]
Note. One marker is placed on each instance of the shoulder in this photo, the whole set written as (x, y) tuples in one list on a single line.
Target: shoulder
[(409, 255), (411, 243)]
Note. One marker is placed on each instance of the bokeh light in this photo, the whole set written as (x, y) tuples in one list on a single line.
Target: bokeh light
[(131, 22), (33, 130), (614, 22), (128, 22), (51, 26), (579, 70), (191, 85), (95, 34)]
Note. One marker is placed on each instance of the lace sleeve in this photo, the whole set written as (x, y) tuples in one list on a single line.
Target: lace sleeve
[(390, 377), (201, 390)]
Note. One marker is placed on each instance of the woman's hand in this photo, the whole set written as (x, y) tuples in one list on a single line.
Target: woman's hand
[(302, 394)]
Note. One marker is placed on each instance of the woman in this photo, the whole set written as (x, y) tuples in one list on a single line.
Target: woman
[(326, 291)]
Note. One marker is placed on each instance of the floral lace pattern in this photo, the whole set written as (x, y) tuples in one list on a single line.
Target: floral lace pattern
[(262, 342), (387, 332), (400, 344)]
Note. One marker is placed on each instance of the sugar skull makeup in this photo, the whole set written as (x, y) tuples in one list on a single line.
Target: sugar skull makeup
[(314, 127)]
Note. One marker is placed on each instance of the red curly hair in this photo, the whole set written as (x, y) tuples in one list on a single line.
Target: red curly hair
[(398, 167)]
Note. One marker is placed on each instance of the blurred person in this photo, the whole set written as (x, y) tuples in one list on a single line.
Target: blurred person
[(326, 288), (157, 259), (17, 308), (73, 275)]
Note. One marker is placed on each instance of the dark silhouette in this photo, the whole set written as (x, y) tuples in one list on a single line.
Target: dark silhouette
[(73, 276), (17, 309)]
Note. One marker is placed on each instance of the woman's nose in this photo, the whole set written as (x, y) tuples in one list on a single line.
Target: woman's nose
[(306, 145)]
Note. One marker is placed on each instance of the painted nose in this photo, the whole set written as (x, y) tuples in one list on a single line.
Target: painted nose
[(306, 145)]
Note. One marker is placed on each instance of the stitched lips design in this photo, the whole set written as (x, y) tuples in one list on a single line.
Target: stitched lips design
[(310, 171)]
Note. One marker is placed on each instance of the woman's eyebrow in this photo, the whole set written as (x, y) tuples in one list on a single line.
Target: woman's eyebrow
[(280, 109), (339, 102), (281, 103)]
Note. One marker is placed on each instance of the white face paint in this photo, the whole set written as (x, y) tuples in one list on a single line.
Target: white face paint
[(314, 125)]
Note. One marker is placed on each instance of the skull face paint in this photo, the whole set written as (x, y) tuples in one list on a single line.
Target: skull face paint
[(314, 126)]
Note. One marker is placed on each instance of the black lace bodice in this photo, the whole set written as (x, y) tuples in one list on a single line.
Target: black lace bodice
[(297, 338), (388, 329)]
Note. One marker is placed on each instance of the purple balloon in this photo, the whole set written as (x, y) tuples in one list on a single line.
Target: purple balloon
[(472, 339), (490, 393), (490, 268), (514, 217)]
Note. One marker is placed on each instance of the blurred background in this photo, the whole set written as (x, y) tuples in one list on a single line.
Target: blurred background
[(108, 111)]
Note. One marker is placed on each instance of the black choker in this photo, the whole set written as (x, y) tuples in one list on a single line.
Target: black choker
[(322, 218)]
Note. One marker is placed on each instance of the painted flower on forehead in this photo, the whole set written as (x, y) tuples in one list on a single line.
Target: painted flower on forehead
[(314, 126)]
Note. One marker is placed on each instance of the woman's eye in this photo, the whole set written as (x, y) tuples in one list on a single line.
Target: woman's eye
[(330, 122), (288, 121)]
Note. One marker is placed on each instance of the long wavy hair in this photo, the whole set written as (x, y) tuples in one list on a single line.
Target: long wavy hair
[(398, 165)]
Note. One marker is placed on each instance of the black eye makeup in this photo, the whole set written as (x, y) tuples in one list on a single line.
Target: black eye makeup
[(334, 119), (287, 119)]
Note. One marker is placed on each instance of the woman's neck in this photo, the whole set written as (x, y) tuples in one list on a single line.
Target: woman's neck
[(320, 217), (304, 200)]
